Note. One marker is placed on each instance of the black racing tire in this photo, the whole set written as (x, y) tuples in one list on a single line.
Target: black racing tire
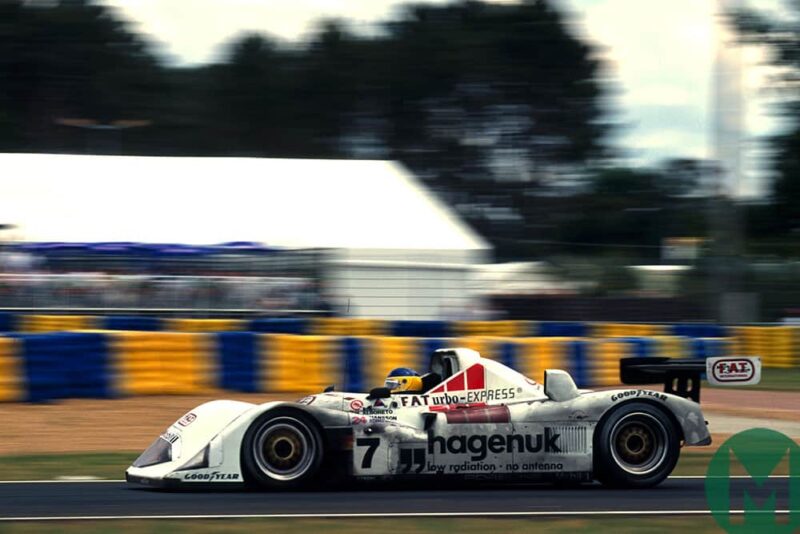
[(636, 446), (282, 449)]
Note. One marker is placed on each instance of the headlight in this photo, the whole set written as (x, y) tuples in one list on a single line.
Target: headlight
[(159, 452)]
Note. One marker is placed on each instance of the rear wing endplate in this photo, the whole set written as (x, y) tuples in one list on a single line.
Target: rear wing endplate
[(682, 377)]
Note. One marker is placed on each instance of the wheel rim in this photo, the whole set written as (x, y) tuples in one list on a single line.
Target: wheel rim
[(639, 443), (284, 449)]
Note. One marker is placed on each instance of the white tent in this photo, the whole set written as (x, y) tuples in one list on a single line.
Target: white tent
[(396, 250)]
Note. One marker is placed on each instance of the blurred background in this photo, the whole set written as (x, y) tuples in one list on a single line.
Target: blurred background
[(269, 197), (605, 160)]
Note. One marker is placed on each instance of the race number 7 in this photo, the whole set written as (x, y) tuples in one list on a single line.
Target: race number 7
[(372, 446)]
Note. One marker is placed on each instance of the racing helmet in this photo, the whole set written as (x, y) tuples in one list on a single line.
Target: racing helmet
[(402, 380)]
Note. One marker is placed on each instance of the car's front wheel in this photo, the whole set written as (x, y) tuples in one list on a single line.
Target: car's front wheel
[(636, 446), (282, 449)]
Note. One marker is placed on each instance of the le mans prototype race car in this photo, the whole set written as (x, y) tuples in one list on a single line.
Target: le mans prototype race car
[(474, 418)]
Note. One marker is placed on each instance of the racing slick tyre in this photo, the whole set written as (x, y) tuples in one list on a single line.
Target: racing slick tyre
[(282, 449), (636, 446)]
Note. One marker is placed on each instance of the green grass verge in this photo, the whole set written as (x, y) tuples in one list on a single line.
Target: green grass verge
[(695, 462), (775, 380), (107, 465), (695, 524), (111, 466)]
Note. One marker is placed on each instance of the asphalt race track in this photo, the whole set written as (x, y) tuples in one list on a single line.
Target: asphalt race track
[(40, 500)]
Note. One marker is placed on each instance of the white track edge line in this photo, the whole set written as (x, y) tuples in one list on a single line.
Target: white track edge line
[(58, 481), (537, 513), (103, 481)]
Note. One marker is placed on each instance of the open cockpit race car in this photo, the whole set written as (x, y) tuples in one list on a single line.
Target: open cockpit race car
[(472, 418)]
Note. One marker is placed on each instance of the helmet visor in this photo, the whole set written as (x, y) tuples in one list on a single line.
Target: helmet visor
[(393, 383)]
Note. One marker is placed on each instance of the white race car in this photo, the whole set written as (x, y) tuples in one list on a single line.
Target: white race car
[(474, 418)]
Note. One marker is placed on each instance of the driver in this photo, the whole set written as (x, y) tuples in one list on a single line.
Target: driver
[(404, 380)]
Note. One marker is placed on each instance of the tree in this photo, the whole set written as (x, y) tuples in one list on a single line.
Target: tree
[(781, 37), (487, 81), (631, 210), (73, 60)]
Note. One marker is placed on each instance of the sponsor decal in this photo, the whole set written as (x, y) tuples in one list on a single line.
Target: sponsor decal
[(479, 446), (468, 467), (216, 475), (356, 405), (187, 419), (733, 370), (472, 467), (634, 393), (466, 387), (465, 397), (307, 400), (578, 415)]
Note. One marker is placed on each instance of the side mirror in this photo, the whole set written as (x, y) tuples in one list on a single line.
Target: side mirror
[(329, 389), (379, 393), (559, 386)]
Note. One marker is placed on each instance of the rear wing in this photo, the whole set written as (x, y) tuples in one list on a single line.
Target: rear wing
[(682, 377)]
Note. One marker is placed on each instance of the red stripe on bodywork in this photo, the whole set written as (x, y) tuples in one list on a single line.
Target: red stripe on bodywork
[(483, 414), (456, 383), (475, 377), (472, 378), (448, 407)]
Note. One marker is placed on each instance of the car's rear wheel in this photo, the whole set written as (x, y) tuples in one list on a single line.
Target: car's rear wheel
[(636, 446), (282, 449)]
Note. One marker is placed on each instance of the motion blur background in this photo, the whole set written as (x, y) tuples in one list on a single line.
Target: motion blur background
[(616, 161), (268, 197)]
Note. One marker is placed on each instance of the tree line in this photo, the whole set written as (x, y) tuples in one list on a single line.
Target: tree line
[(500, 108)]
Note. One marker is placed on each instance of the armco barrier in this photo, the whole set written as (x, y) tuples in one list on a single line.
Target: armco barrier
[(345, 326), (430, 329), (12, 381), (137, 323), (491, 328), (57, 323), (778, 345), (67, 365), (279, 326), (8, 322), (44, 367), (238, 355), (150, 363), (628, 330), (203, 325), (561, 329), (387, 353)]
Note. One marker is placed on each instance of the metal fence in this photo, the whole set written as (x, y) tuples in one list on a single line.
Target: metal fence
[(142, 292)]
